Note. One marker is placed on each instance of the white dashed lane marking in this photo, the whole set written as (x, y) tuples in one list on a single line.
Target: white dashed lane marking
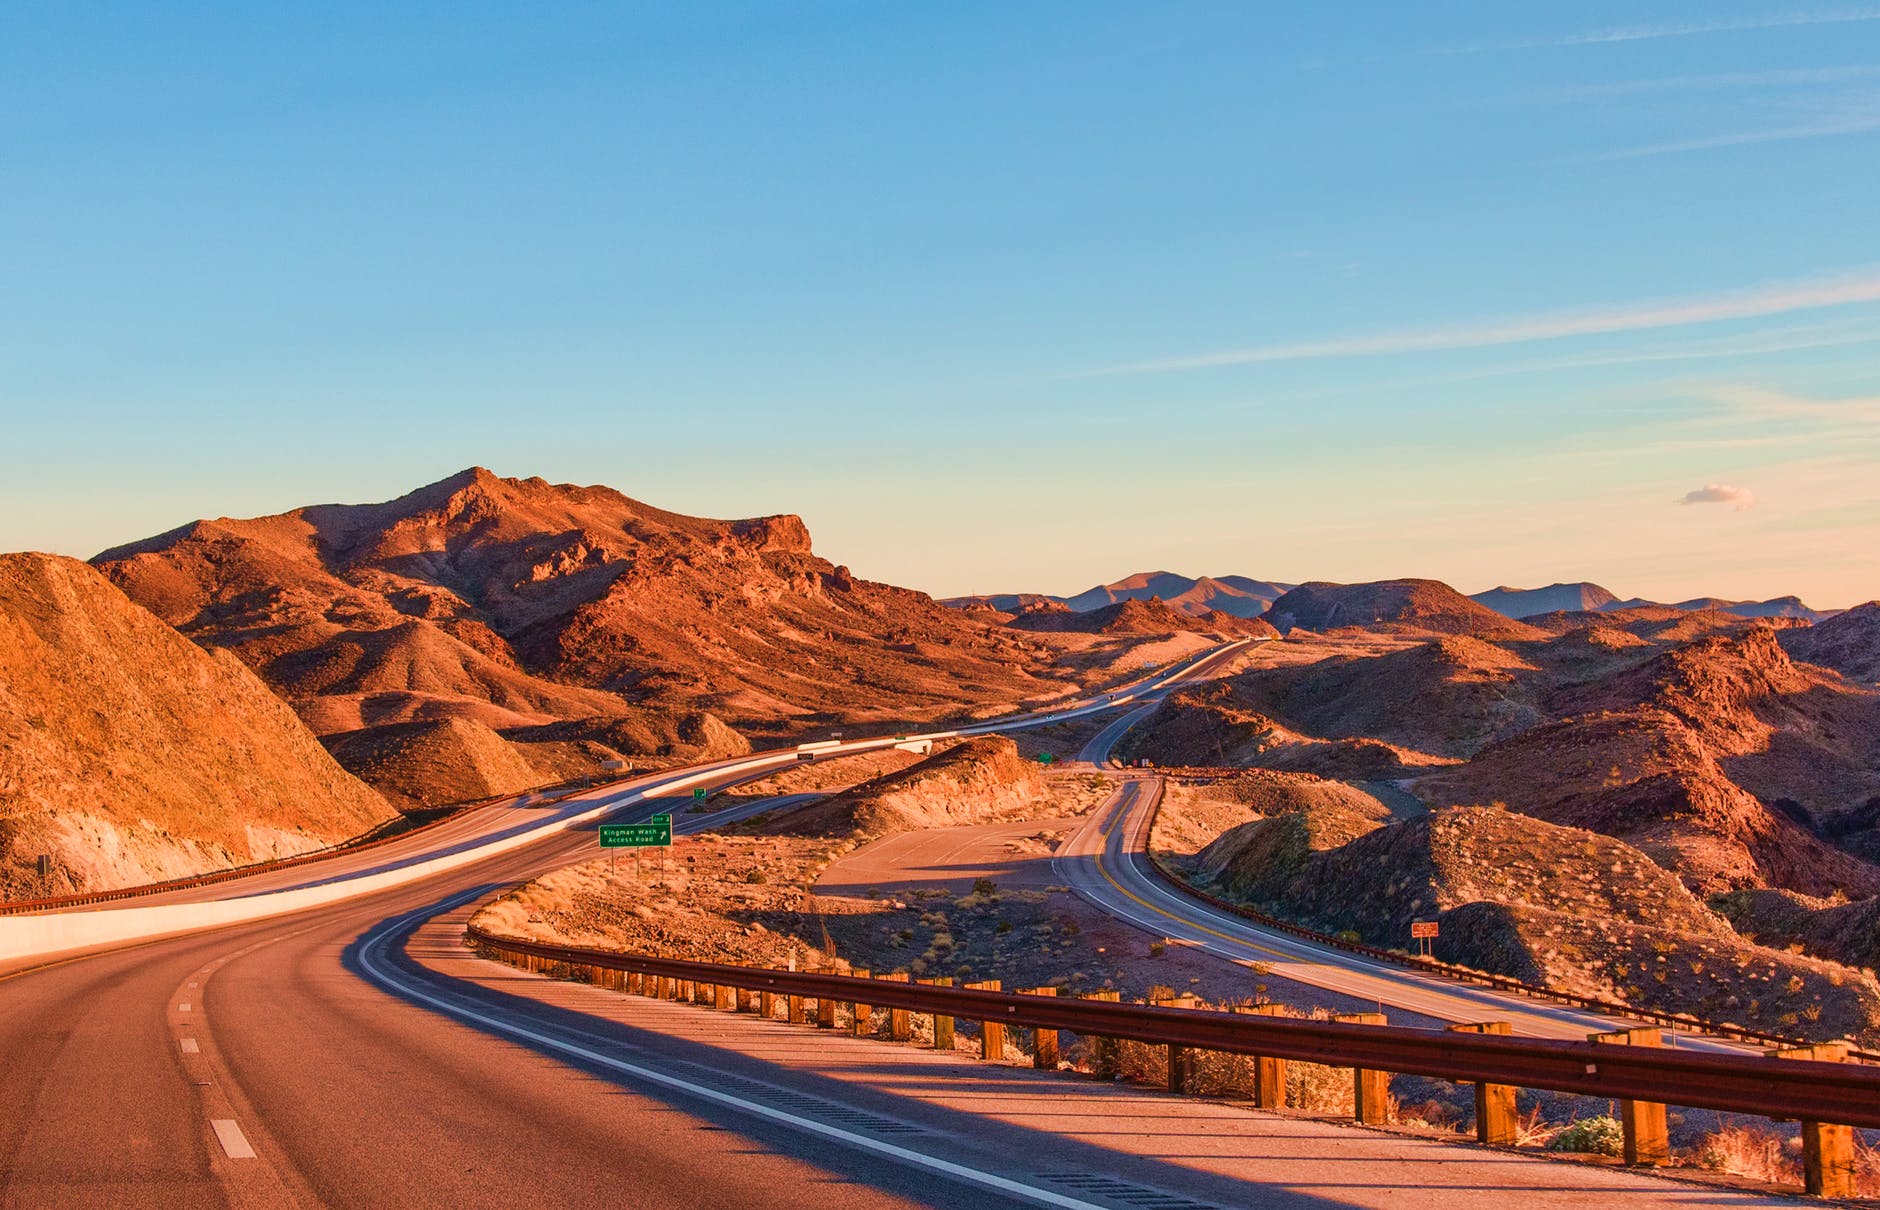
[(190, 1047), (233, 1141)]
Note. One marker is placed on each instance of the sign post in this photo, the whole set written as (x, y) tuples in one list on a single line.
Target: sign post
[(1423, 932), (655, 832)]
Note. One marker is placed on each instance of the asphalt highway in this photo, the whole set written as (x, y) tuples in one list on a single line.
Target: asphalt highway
[(355, 1054)]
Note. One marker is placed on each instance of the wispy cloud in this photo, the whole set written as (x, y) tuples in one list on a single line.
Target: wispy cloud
[(1720, 493), (1746, 304), (1801, 77), (1860, 118), (1645, 33)]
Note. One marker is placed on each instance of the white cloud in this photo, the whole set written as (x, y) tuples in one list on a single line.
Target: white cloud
[(1862, 120), (1644, 33), (1721, 493), (1773, 299)]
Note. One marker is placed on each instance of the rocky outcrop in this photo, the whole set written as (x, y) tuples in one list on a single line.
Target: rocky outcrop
[(1417, 606)]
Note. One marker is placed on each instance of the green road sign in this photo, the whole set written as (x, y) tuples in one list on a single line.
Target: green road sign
[(1045, 758), (655, 831), (699, 793)]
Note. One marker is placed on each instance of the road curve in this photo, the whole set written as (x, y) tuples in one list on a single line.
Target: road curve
[(354, 1055), (1106, 862)]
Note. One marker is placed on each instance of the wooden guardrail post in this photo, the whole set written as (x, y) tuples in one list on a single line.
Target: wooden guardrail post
[(793, 1010), (1106, 1054), (767, 1004), (942, 1024), (991, 1033), (1044, 1042), (858, 1012), (725, 998), (900, 1021), (1495, 1122), (1180, 1059), (1369, 1089), (1269, 1073), (1827, 1149), (1647, 1139), (825, 1012)]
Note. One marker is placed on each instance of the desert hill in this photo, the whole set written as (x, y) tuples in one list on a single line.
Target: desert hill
[(1398, 606), (128, 754), (975, 781), (1849, 643), (1237, 595), (1841, 932), (516, 603), (1646, 777), (1555, 598), (1561, 906), (1220, 723), (1447, 697), (1135, 616), (1727, 762), (1775, 607)]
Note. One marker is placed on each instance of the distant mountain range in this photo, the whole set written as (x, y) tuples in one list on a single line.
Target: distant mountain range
[(1244, 597), (1237, 595), (1582, 597)]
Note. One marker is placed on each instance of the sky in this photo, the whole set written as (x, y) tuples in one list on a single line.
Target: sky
[(996, 296)]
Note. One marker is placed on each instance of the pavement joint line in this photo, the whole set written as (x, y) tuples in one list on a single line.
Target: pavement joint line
[(379, 937), (228, 1132)]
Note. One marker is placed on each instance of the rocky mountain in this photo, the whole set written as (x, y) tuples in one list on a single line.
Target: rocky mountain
[(129, 754), (515, 603), (1236, 595), (1239, 596), (1133, 616), (1525, 602), (1849, 643), (1777, 607), (1399, 606), (1720, 757)]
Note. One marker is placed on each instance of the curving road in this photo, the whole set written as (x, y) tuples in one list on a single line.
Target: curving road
[(1106, 861), (355, 1054)]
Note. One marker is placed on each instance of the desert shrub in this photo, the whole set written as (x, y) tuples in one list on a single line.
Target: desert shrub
[(1600, 1135), (984, 886), (1756, 1154)]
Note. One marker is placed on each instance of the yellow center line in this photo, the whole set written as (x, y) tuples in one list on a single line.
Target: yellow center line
[(1107, 877)]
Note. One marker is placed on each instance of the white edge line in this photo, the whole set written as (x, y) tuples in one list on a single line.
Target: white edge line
[(229, 1133), (916, 1158)]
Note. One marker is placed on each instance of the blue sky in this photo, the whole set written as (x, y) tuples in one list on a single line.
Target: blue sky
[(1000, 296)]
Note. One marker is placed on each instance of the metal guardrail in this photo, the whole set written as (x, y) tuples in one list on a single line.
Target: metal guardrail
[(1467, 974), (1804, 1089), (345, 848)]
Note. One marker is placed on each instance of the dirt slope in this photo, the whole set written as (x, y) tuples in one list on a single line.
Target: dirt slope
[(438, 761), (977, 781), (129, 754)]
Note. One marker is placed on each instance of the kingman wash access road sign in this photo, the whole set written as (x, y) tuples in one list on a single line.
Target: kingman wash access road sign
[(655, 831)]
